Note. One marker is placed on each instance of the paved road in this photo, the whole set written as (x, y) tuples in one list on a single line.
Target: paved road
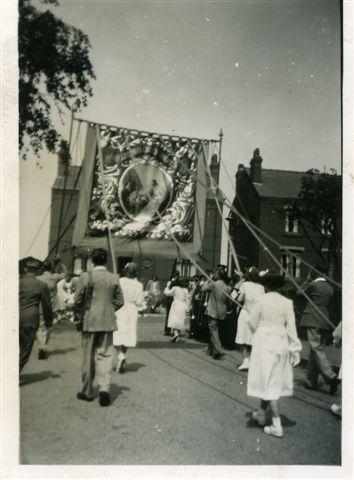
[(174, 405)]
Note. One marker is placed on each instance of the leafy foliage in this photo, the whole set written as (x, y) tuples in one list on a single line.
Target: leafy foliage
[(319, 208), (54, 67)]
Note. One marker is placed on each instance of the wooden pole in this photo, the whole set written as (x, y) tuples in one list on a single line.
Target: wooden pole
[(214, 188), (100, 159)]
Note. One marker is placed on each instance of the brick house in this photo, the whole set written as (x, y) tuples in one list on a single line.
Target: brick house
[(265, 197)]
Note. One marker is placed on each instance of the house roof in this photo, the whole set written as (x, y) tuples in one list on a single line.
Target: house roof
[(279, 183), (73, 172)]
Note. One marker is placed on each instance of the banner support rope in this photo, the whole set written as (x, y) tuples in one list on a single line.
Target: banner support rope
[(299, 288)]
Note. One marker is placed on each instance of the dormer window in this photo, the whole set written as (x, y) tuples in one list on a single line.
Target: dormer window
[(291, 223)]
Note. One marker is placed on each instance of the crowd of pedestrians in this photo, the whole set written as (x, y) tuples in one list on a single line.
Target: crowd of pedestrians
[(105, 308)]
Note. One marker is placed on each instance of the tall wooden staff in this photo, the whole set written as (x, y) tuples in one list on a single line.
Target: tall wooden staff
[(100, 159)]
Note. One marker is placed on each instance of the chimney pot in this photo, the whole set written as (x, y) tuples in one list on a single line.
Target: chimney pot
[(256, 167)]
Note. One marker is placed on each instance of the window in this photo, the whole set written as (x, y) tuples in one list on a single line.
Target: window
[(325, 230), (184, 266), (291, 223), (291, 263)]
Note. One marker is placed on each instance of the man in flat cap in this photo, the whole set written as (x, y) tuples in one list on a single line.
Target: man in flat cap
[(33, 295), (98, 295)]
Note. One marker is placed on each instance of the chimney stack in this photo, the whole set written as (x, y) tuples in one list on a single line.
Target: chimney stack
[(256, 167)]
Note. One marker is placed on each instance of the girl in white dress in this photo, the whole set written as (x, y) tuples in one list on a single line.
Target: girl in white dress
[(249, 293), (276, 349), (127, 316), (179, 307)]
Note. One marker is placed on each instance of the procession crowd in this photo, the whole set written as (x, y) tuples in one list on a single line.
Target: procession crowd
[(253, 309)]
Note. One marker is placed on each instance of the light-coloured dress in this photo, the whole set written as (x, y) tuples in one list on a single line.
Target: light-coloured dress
[(275, 344), (252, 292), (179, 307), (127, 316)]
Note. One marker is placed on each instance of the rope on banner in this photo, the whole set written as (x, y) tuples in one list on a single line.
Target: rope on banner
[(60, 237), (38, 231)]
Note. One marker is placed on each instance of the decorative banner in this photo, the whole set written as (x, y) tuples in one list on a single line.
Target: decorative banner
[(144, 174)]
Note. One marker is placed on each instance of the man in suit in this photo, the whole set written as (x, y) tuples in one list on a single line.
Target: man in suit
[(33, 294), (98, 295), (216, 309), (318, 330)]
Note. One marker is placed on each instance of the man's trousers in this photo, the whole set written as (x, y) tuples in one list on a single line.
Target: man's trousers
[(214, 341), (42, 334), (97, 361), (317, 362), (27, 338)]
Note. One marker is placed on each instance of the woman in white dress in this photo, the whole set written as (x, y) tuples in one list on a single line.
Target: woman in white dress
[(249, 293), (177, 316), (276, 349), (154, 290), (127, 316)]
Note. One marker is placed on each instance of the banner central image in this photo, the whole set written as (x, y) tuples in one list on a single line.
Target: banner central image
[(150, 184)]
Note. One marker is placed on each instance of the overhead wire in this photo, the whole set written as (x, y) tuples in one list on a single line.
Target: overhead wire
[(61, 236), (38, 231), (48, 210)]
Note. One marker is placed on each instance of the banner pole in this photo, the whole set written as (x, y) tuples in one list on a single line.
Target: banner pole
[(214, 188), (100, 159)]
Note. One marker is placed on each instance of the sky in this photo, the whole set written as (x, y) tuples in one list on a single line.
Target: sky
[(266, 72)]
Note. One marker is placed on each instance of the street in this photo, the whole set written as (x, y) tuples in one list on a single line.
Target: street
[(174, 405)]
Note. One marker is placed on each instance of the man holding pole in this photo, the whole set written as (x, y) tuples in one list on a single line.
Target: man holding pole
[(216, 309)]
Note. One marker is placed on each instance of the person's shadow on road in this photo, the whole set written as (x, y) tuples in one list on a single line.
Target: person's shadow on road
[(37, 377), (168, 344), (116, 391), (61, 351), (133, 367)]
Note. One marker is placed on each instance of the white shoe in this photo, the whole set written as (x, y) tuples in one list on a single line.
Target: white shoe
[(259, 417), (275, 429), (336, 409), (245, 365)]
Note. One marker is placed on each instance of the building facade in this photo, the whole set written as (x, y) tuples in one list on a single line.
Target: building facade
[(265, 198)]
